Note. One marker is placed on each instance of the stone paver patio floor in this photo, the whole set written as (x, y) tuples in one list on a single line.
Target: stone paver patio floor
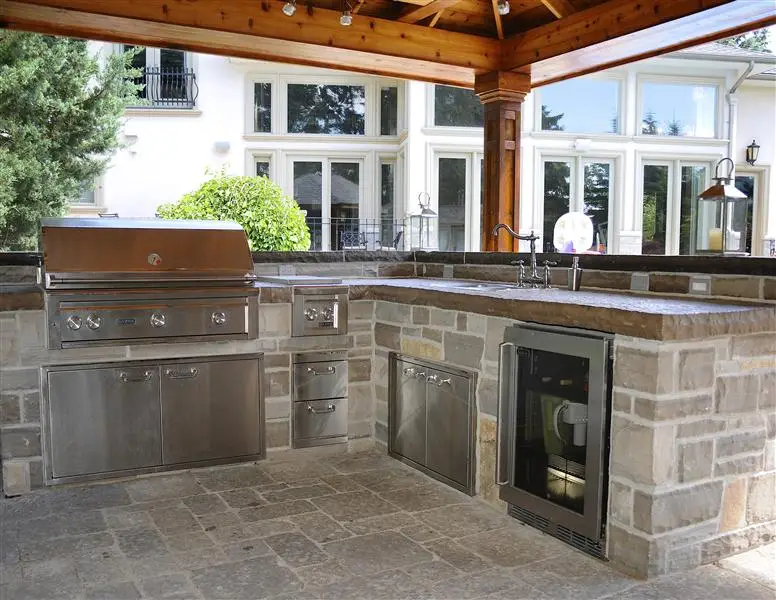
[(304, 525)]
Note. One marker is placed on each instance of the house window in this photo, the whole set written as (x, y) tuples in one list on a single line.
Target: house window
[(452, 188), (456, 107), (747, 184), (388, 228), (582, 105), (654, 226), (557, 197), (262, 167), (87, 196), (166, 77), (678, 109), (692, 184), (389, 110), (326, 109), (262, 107)]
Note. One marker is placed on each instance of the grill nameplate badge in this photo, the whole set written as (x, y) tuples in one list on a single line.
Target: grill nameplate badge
[(154, 259)]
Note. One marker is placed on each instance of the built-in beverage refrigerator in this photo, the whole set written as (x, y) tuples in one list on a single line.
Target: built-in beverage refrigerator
[(553, 430)]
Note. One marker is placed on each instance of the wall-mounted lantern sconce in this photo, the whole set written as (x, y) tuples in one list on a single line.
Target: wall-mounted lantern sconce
[(752, 152)]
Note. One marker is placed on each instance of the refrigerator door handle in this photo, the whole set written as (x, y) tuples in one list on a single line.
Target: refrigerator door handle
[(507, 353)]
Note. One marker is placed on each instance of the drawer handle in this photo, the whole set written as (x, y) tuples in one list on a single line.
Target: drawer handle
[(438, 382), (190, 374), (329, 409), (326, 371), (124, 377)]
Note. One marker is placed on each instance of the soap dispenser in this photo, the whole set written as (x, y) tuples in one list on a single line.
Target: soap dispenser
[(574, 275)]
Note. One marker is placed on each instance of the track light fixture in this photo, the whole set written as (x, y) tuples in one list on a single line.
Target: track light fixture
[(289, 8), (503, 7)]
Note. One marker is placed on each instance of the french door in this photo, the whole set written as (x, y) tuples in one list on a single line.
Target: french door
[(330, 191), (577, 184), (459, 195)]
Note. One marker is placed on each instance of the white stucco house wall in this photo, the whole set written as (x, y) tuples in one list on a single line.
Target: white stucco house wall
[(392, 141)]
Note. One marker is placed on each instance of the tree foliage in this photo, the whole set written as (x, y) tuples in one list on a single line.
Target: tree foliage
[(328, 109), (753, 40), (60, 114), (551, 122), (457, 107), (272, 221)]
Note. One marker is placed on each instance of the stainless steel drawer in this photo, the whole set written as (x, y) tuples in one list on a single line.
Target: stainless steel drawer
[(320, 422), (320, 380)]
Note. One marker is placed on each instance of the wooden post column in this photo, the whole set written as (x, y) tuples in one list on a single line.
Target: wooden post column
[(502, 93)]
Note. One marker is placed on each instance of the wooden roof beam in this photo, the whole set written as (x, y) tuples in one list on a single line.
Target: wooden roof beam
[(420, 13), (252, 18), (622, 31), (57, 21), (497, 17), (560, 8), (435, 20)]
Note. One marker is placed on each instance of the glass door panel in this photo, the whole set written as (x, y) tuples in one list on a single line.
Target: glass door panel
[(557, 197), (596, 196), (551, 434), (345, 194), (452, 204), (655, 209), (693, 183), (308, 192), (746, 184)]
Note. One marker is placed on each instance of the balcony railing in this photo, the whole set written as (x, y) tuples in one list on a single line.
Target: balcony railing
[(167, 88), (355, 234)]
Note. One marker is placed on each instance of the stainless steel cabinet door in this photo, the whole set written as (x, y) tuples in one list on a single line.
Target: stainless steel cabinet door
[(449, 423), (210, 410), (102, 420), (409, 439)]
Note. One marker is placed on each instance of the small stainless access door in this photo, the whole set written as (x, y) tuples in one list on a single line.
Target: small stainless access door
[(320, 380), (210, 409), (553, 399), (448, 414), (103, 420), (410, 415)]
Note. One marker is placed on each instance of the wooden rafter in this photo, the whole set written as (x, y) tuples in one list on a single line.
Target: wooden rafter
[(652, 21), (560, 8), (420, 13), (497, 17), (435, 19), (357, 7), (58, 21)]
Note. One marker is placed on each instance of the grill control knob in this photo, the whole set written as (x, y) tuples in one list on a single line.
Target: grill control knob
[(158, 320), (93, 321), (311, 314), (218, 318), (74, 322), (328, 313)]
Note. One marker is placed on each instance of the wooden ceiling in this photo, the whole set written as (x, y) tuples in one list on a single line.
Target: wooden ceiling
[(445, 41)]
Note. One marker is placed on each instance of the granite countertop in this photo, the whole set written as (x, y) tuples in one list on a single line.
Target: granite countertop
[(637, 315)]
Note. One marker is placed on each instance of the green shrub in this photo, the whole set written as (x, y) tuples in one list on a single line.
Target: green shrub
[(271, 220)]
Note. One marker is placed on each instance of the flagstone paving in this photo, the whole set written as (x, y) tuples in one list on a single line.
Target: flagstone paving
[(312, 525)]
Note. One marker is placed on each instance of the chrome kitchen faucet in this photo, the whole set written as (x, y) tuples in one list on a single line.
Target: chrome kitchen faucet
[(534, 280)]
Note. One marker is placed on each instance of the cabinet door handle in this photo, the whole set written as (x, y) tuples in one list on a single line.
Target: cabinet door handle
[(437, 381), (125, 377), (190, 374), (505, 378), (326, 371), (409, 372), (329, 409)]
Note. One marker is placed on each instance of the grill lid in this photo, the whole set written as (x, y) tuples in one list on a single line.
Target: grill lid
[(121, 251)]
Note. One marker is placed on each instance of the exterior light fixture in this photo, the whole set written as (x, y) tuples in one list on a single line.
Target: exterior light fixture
[(719, 217), (289, 8), (503, 7), (752, 152), (346, 19), (422, 225)]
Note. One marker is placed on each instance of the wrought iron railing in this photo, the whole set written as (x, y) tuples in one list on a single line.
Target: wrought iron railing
[(355, 234), (167, 87)]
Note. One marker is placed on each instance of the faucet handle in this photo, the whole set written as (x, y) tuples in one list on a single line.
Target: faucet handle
[(517, 262), (550, 263)]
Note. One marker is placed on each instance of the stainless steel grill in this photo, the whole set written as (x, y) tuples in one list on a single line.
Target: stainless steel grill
[(122, 281)]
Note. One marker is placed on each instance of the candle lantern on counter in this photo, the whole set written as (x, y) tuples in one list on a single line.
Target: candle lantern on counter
[(422, 226), (720, 225)]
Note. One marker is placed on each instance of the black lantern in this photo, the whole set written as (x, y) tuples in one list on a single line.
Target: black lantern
[(752, 152), (720, 217), (422, 225)]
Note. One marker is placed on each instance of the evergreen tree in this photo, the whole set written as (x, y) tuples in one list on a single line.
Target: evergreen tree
[(649, 125), (60, 114), (753, 40), (551, 122), (326, 109), (674, 128), (457, 107)]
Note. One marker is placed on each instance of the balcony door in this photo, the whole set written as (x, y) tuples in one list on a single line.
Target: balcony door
[(330, 191)]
